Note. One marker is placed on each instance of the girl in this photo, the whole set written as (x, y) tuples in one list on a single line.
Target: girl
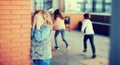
[(40, 44), (59, 27)]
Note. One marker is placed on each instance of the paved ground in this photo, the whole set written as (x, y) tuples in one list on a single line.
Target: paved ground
[(75, 56)]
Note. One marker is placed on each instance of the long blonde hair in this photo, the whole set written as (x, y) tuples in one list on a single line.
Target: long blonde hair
[(46, 16)]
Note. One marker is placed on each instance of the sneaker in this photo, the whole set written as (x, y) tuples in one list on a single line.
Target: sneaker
[(57, 48), (67, 47), (85, 51), (94, 56)]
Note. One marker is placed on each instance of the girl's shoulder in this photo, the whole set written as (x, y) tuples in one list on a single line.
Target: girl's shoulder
[(59, 19)]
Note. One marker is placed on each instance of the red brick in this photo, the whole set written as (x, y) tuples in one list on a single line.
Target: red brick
[(20, 12), (6, 45), (25, 30), (20, 2), (27, 40), (26, 53), (15, 31), (16, 40), (10, 7), (4, 50), (21, 49), (4, 31), (22, 57), (25, 21), (2, 60), (4, 21), (26, 17), (27, 35), (17, 53), (10, 54), (10, 36), (5, 55), (26, 26), (3, 40), (14, 15), (4, 2), (21, 31), (12, 63), (10, 26), (10, 17), (16, 45), (18, 50), (9, 45), (26, 7), (4, 11), (25, 45), (26, 63), (26, 57)]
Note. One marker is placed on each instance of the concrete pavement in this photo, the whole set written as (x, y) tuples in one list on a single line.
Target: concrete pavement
[(75, 56)]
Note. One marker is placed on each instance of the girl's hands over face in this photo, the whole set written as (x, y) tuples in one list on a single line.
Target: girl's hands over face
[(39, 20)]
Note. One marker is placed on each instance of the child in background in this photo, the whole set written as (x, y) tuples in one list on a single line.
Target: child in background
[(59, 27), (87, 29)]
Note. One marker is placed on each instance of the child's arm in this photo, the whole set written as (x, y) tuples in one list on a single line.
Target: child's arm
[(83, 27), (41, 34), (33, 27)]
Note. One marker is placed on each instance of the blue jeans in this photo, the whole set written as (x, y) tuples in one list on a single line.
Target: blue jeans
[(41, 62), (62, 31), (91, 39)]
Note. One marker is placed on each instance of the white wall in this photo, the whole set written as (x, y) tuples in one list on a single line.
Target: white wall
[(55, 4)]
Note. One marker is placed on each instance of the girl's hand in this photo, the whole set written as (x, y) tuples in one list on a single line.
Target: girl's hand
[(39, 21)]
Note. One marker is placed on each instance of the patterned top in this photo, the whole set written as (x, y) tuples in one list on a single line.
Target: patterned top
[(41, 50)]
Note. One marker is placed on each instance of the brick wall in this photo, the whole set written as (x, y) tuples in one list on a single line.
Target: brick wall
[(74, 20), (15, 21)]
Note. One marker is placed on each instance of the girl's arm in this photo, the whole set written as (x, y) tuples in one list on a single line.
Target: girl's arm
[(33, 27), (41, 34)]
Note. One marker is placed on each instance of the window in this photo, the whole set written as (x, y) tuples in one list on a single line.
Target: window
[(88, 5), (108, 6), (42, 4), (95, 6), (74, 6)]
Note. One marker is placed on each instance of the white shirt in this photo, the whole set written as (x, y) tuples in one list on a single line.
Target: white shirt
[(87, 26)]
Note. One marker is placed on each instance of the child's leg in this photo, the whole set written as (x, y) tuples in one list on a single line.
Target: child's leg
[(85, 43), (92, 44), (63, 37), (55, 37)]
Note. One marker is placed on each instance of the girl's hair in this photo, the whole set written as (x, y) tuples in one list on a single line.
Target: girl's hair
[(86, 15), (57, 13), (46, 16), (33, 16)]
